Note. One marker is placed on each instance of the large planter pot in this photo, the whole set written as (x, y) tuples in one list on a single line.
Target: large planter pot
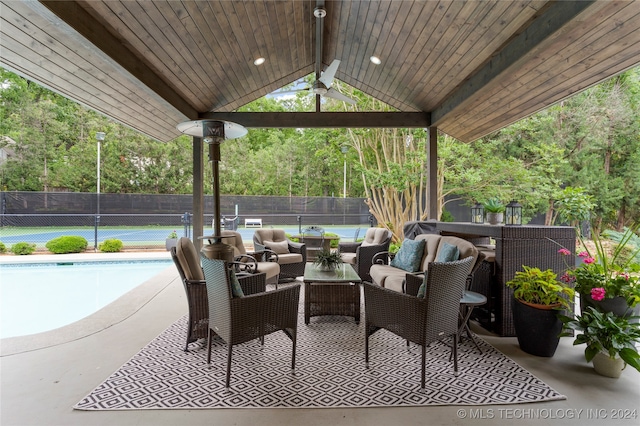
[(607, 366), (495, 218), (537, 328), (618, 305), (170, 242)]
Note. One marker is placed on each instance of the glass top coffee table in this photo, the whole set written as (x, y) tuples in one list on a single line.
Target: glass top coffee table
[(334, 292)]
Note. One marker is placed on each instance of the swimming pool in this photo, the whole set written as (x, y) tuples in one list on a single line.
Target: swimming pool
[(44, 296)]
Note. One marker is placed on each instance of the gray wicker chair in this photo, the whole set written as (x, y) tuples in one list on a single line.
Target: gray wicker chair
[(291, 261), (422, 321), (187, 261), (252, 262), (241, 319), (360, 254)]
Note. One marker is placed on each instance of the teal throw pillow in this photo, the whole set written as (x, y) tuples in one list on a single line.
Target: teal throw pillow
[(236, 290), (409, 256), (448, 253), (423, 287)]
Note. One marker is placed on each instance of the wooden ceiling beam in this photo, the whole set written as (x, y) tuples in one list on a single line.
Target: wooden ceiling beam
[(324, 119), (549, 22), (96, 33)]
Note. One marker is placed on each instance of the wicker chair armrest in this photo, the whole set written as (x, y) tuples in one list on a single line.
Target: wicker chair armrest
[(253, 283), (269, 255), (348, 247), (413, 283), (296, 247), (243, 264), (381, 258)]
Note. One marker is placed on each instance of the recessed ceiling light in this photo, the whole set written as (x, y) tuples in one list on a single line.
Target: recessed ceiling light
[(259, 61), (375, 60)]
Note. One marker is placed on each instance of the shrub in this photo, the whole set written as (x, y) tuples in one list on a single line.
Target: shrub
[(67, 244), (23, 248), (3, 248), (110, 246), (334, 243)]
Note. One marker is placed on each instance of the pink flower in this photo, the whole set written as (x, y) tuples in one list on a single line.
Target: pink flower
[(624, 275), (567, 278), (583, 254), (588, 260), (564, 252), (597, 293)]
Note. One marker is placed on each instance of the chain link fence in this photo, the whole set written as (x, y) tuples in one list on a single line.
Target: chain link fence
[(37, 217)]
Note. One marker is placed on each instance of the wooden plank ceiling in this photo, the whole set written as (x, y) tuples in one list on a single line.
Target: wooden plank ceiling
[(468, 67)]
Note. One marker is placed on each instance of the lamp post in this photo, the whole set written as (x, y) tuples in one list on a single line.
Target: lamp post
[(99, 138), (344, 150)]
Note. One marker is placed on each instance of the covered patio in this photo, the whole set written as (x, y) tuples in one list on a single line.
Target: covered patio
[(464, 68)]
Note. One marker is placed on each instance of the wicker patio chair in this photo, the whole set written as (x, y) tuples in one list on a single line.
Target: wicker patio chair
[(360, 254), (292, 257), (241, 319), (255, 262), (420, 320), (187, 261)]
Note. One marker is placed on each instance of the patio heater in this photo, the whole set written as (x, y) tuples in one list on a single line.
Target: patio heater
[(213, 133), (513, 213), (477, 213)]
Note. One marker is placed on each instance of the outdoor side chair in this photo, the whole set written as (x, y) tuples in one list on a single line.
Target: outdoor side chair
[(187, 261), (360, 254), (420, 320), (292, 257), (252, 262), (240, 319)]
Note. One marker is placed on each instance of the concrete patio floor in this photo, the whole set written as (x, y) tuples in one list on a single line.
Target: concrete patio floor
[(44, 375)]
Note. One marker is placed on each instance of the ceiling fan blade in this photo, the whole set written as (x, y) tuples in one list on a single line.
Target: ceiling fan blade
[(290, 92), (327, 76), (333, 93)]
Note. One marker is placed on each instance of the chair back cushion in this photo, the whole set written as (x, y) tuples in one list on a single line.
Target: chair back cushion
[(234, 239), (269, 234), (432, 241), (189, 259), (465, 248), (409, 256), (375, 237)]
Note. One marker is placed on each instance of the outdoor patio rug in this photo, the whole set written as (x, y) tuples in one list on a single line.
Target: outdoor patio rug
[(330, 372)]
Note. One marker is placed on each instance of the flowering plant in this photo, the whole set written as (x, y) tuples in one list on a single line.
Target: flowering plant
[(605, 276), (173, 235)]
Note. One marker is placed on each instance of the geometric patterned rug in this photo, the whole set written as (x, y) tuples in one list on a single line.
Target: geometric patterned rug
[(330, 372)]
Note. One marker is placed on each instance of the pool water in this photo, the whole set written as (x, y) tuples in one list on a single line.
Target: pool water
[(40, 297)]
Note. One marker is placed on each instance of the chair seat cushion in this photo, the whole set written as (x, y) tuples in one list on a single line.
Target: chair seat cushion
[(280, 247), (287, 258), (384, 274), (409, 256), (271, 269), (349, 258)]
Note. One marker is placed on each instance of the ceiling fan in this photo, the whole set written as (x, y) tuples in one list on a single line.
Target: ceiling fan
[(322, 85)]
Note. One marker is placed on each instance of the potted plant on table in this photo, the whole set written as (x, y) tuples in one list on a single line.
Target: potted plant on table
[(611, 340), (171, 241), (495, 211), (538, 298), (328, 260)]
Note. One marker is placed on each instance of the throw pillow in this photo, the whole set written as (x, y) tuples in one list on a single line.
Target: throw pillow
[(409, 256), (448, 253), (236, 290), (280, 247), (423, 287)]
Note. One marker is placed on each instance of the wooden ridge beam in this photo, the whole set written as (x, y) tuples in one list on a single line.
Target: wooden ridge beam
[(324, 119)]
